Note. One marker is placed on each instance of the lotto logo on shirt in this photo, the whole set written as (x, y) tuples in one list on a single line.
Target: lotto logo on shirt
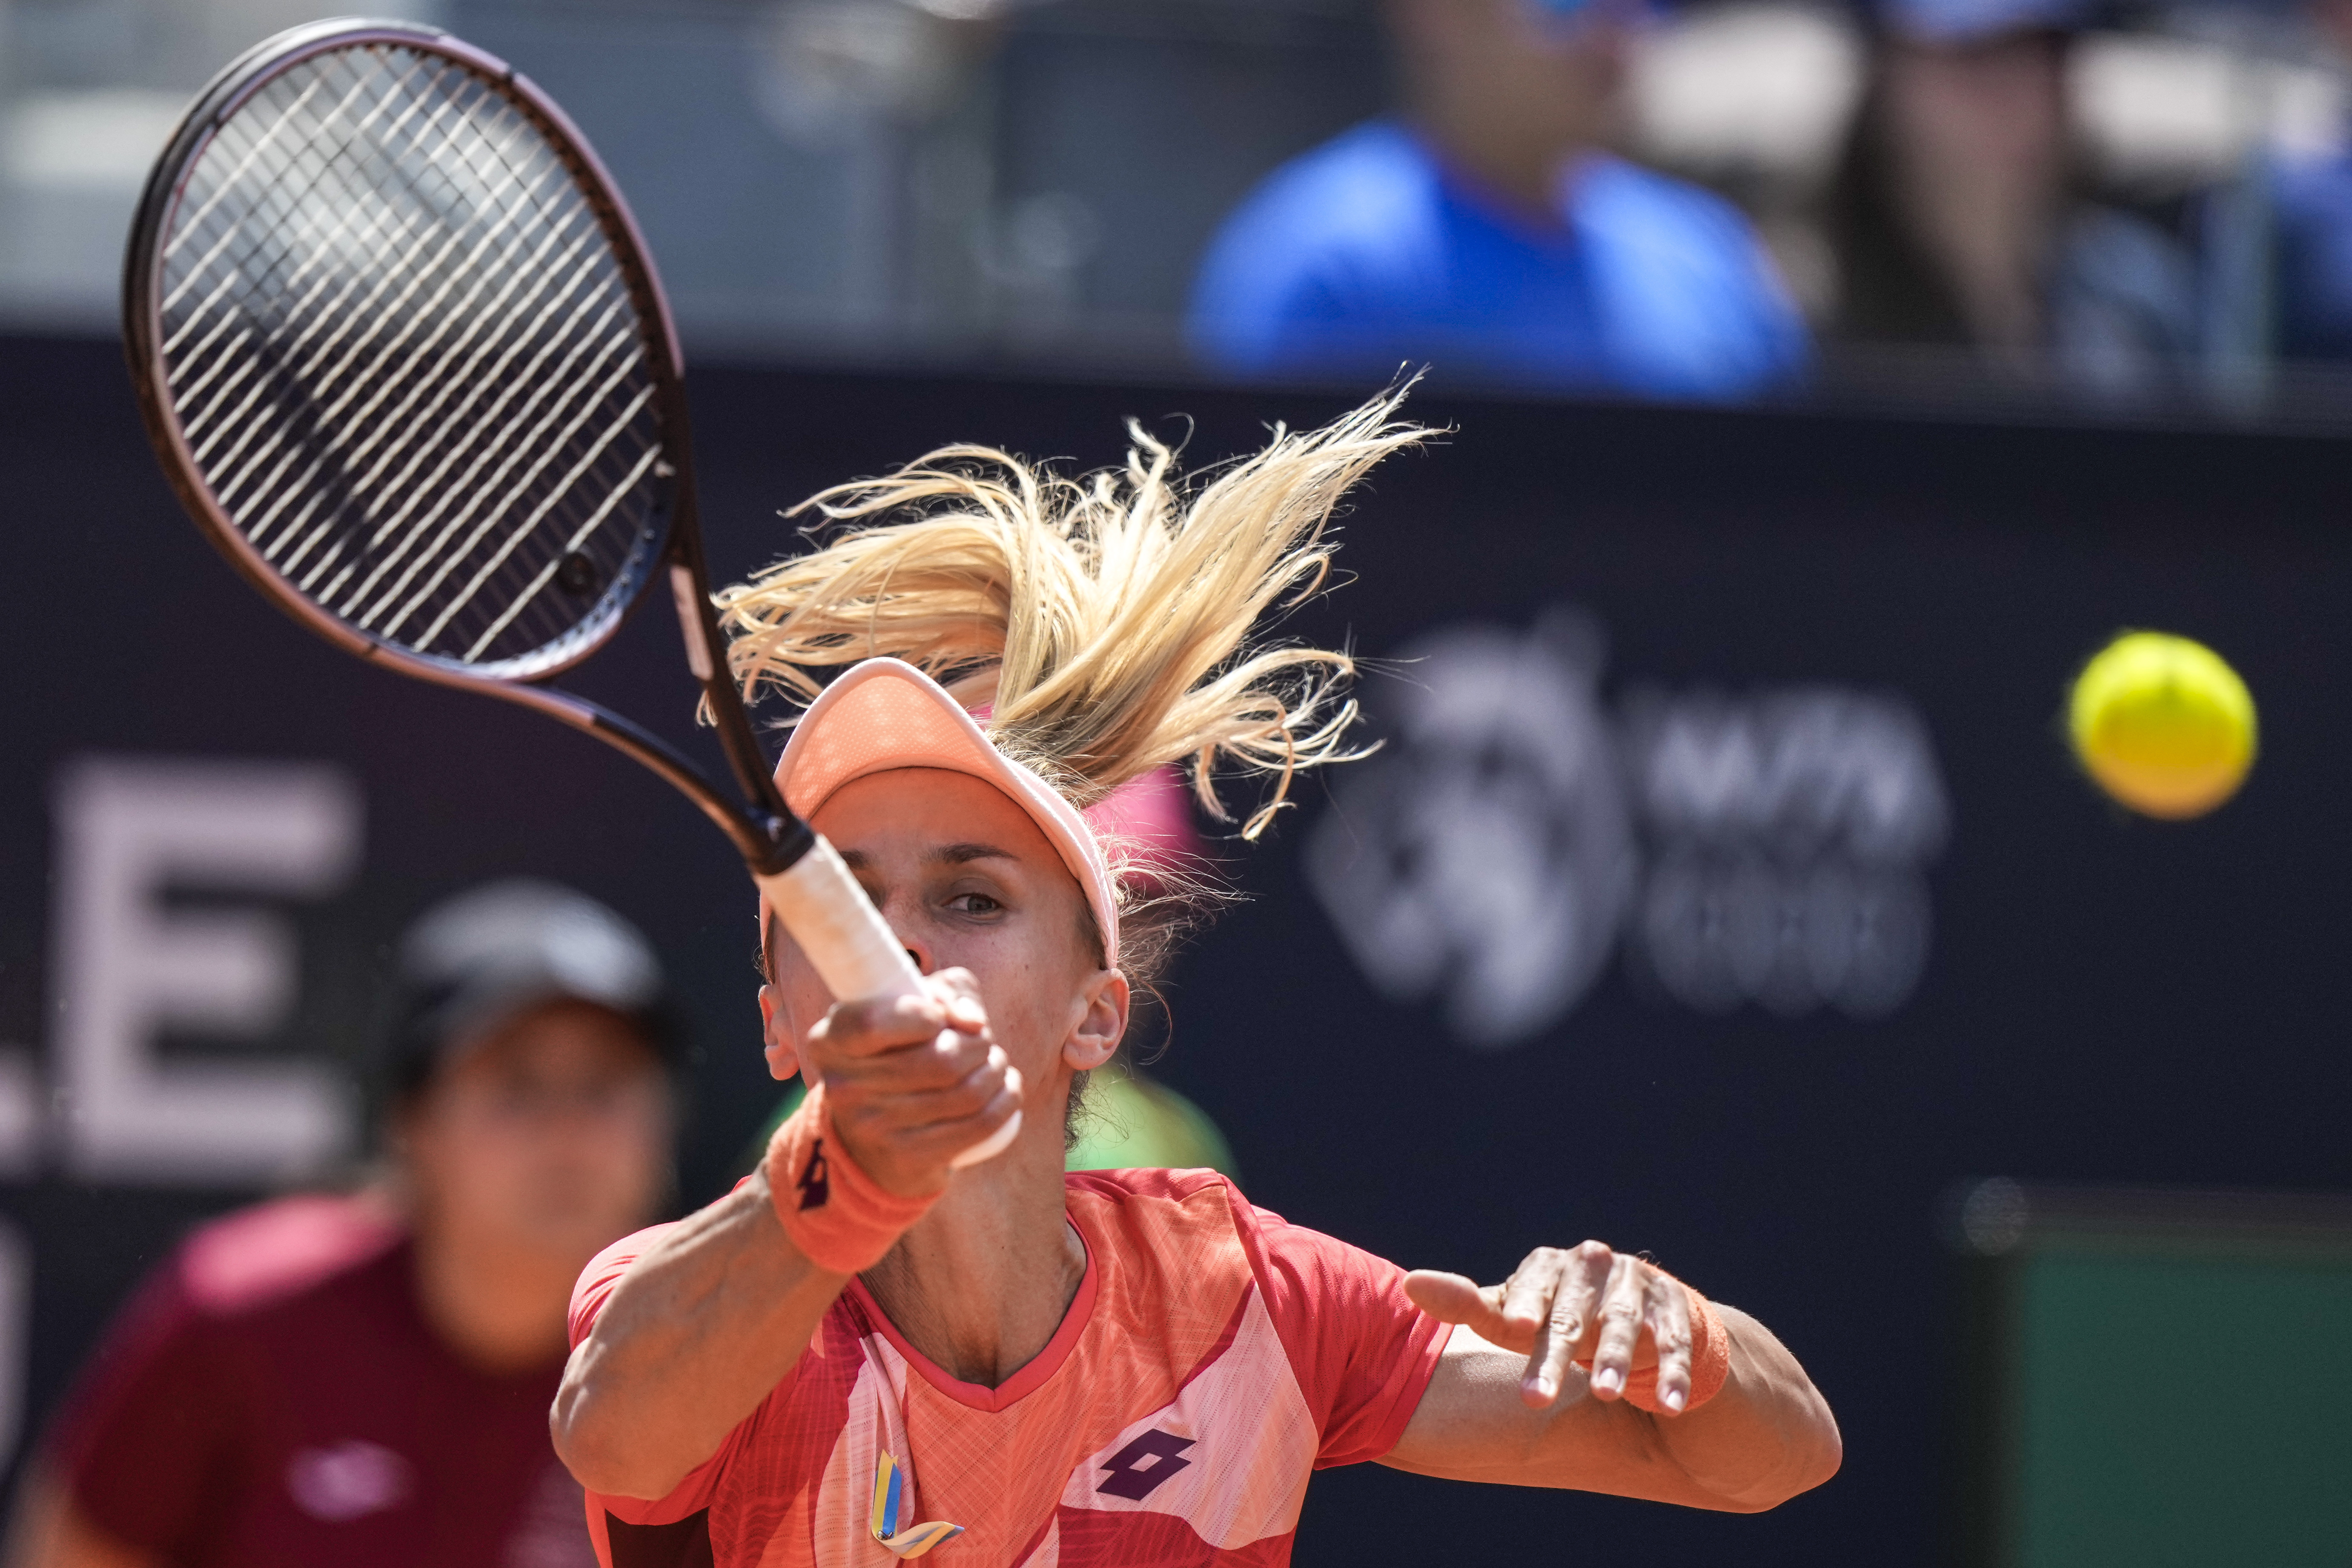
[(1142, 1464)]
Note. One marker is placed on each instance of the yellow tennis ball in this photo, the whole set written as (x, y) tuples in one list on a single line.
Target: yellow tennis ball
[(2163, 724)]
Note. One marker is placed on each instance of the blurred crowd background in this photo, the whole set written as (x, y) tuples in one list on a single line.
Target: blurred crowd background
[(2133, 206)]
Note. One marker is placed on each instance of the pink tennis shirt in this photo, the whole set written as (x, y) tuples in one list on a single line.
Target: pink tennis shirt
[(1215, 1357)]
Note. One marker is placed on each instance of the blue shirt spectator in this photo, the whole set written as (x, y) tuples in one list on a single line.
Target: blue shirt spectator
[(2308, 194), (2311, 216), (1370, 251)]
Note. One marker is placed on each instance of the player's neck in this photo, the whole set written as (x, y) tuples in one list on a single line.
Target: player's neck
[(983, 1280)]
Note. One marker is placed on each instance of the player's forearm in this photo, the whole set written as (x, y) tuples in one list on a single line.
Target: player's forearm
[(698, 1332), (1766, 1436)]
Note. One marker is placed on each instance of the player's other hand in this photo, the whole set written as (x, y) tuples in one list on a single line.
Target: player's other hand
[(1587, 1303), (913, 1082)]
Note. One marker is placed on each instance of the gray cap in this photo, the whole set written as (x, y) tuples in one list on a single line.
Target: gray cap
[(497, 950)]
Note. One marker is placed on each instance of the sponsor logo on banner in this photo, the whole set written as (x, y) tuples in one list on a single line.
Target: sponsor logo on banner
[(1764, 848)]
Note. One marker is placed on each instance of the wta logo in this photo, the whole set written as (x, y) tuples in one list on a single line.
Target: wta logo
[(1515, 834)]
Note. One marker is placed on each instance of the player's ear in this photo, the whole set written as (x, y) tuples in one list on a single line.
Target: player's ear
[(775, 1031), (1103, 1023)]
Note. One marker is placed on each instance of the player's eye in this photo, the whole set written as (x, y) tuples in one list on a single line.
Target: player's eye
[(975, 904)]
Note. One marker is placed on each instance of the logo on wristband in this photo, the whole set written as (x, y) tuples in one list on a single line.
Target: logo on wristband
[(816, 1185)]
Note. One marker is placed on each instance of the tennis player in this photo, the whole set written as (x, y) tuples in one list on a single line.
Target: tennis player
[(864, 1351)]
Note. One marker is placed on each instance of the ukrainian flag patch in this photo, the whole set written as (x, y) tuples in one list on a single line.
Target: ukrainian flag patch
[(890, 1510)]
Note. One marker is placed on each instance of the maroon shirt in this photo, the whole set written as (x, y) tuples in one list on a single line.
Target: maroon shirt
[(272, 1396)]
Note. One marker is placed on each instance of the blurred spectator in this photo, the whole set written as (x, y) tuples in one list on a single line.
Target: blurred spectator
[(1489, 231), (1959, 219), (363, 1381), (2310, 201)]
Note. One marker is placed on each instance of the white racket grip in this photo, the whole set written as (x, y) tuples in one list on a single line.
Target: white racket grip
[(853, 950)]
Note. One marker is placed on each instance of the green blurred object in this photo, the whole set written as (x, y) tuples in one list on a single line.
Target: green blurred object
[(1129, 1122), (756, 1149), (2159, 1378)]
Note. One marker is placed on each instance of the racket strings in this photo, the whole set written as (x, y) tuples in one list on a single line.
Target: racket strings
[(406, 363), (393, 522), (380, 530), (346, 202)]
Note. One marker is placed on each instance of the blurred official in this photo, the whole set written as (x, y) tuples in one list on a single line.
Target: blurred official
[(363, 1381)]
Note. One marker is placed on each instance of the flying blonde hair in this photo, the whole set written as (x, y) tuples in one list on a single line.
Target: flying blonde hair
[(1108, 619)]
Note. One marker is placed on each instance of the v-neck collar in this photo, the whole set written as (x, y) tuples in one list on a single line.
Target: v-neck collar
[(1030, 1377)]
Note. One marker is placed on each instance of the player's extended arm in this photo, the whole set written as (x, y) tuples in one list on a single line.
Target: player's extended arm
[(704, 1325), (1508, 1402), (695, 1336)]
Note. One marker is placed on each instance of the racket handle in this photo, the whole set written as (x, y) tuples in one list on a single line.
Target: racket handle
[(853, 949)]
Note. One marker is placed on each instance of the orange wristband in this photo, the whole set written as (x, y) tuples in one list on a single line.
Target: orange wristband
[(835, 1212), (1710, 1363)]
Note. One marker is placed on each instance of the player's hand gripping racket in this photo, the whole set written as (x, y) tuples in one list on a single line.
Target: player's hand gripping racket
[(404, 357)]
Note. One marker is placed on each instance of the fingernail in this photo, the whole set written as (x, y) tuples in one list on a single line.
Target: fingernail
[(1673, 1398), (1545, 1388), (1609, 1380)]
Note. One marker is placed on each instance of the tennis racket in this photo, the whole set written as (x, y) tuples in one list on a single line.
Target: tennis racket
[(404, 355)]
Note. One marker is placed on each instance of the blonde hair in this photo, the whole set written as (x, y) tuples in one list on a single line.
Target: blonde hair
[(1110, 619)]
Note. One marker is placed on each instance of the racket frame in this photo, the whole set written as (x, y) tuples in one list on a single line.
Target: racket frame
[(771, 838), (799, 875)]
